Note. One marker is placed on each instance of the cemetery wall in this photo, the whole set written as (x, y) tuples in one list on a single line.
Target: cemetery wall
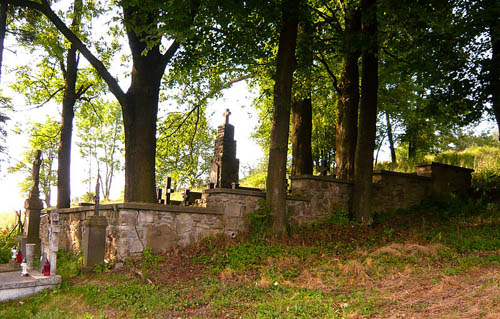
[(135, 226), (393, 190)]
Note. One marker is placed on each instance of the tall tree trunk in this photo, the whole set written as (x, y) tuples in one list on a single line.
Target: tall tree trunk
[(363, 168), (285, 66), (70, 74), (412, 149), (302, 163), (139, 121), (4, 8), (495, 70), (391, 140), (347, 123), (64, 151), (140, 110)]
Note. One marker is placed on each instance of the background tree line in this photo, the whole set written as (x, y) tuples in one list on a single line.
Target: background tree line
[(328, 72)]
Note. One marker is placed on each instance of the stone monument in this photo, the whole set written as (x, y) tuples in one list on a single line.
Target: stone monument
[(225, 166), (33, 206), (94, 236)]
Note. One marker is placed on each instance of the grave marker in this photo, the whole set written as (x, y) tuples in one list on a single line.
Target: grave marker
[(225, 166), (168, 190), (33, 206)]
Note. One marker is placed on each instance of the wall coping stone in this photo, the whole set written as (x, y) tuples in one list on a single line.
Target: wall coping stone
[(249, 193), (406, 175), (140, 206), (320, 178), (444, 165)]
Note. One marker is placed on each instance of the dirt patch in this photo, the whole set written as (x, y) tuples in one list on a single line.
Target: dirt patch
[(178, 267), (400, 249), (475, 294)]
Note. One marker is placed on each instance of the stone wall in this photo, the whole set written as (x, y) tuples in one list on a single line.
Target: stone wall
[(135, 226), (445, 178), (326, 195), (234, 204), (392, 190)]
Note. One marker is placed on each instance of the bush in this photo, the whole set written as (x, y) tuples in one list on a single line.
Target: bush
[(6, 244), (259, 221)]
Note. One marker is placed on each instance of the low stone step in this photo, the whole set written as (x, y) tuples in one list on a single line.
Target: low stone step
[(15, 286)]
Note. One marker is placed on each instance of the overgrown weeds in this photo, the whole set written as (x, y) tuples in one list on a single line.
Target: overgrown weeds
[(425, 262)]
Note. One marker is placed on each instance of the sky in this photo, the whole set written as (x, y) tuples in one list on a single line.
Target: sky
[(237, 99)]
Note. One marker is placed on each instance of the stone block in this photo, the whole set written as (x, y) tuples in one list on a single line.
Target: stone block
[(234, 210), (146, 217), (94, 241), (136, 246), (128, 217), (166, 218)]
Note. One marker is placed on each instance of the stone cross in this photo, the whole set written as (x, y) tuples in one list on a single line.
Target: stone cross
[(226, 116), (168, 190), (33, 206), (35, 173)]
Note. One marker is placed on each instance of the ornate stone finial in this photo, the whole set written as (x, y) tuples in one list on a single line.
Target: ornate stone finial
[(35, 172), (226, 116)]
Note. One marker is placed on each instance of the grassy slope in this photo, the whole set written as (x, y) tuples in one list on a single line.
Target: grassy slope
[(440, 260)]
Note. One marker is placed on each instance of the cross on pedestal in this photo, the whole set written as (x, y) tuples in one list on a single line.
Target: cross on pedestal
[(168, 190), (226, 116)]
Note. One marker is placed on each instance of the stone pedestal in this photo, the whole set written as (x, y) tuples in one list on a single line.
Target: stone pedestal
[(53, 247), (225, 166), (94, 241), (33, 208), (30, 255)]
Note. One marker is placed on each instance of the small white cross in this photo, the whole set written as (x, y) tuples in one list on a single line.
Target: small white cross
[(226, 115)]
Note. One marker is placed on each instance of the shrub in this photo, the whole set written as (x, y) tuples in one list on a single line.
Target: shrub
[(6, 244), (259, 220)]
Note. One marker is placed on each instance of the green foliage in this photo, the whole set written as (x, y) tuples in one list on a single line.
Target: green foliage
[(150, 260), (256, 177), (339, 217), (4, 104), (132, 297), (184, 149), (6, 244), (45, 137), (259, 221), (100, 129)]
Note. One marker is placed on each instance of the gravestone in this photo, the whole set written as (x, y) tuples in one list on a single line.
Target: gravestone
[(94, 237), (225, 166), (33, 206)]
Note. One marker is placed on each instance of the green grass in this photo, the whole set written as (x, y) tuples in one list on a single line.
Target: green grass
[(329, 269)]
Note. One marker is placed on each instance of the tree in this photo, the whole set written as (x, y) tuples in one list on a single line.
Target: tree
[(145, 26), (43, 136), (4, 8), (57, 78), (285, 67), (184, 154), (5, 103), (100, 130), (363, 165), (302, 159), (348, 90)]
